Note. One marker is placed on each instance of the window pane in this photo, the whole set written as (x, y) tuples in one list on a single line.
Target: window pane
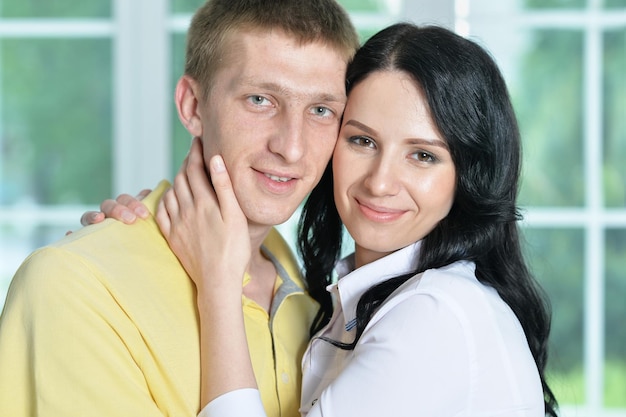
[(548, 102), (615, 312), (614, 113), (186, 6), (614, 4), (55, 8), (55, 120), (364, 5), (190, 6), (554, 4), (556, 258), (17, 241), (182, 139)]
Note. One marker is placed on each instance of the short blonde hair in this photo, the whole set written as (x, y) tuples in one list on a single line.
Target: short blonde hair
[(306, 20)]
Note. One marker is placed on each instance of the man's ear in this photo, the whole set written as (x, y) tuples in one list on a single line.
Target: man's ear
[(188, 97)]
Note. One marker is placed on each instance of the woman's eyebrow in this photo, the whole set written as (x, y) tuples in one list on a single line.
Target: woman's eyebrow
[(361, 126), (431, 142), (412, 141)]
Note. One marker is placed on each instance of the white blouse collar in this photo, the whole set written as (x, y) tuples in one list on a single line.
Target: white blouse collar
[(354, 282)]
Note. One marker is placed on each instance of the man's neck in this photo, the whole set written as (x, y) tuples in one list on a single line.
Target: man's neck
[(262, 272), (257, 236)]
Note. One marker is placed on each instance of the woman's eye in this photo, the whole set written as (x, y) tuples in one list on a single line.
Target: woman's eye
[(424, 157), (363, 141)]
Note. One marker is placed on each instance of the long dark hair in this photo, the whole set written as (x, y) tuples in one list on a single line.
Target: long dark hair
[(470, 105)]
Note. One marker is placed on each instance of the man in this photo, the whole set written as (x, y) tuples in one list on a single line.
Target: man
[(104, 322)]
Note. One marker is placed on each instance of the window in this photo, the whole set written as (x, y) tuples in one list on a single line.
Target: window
[(86, 112), (564, 62), (56, 120)]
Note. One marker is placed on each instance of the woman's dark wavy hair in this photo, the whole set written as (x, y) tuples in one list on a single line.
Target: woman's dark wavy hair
[(470, 105)]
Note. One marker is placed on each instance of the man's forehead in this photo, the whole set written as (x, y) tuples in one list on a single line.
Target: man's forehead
[(276, 40), (313, 71)]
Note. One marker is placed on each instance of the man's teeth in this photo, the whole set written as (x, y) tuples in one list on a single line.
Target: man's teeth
[(277, 178)]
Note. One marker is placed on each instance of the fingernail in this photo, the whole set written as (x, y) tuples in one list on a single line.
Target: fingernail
[(218, 164), (127, 216), (141, 212)]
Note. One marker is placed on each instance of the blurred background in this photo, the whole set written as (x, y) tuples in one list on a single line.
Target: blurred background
[(86, 112)]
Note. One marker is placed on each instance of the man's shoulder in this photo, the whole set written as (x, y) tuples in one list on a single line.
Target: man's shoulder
[(108, 271), (107, 252)]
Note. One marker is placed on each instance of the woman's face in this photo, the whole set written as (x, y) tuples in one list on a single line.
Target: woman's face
[(394, 178)]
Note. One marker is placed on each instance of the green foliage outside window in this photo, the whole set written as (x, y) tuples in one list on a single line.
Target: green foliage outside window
[(614, 4), (614, 114), (549, 102), (189, 6), (55, 8), (185, 6), (556, 257), (549, 105), (181, 138), (555, 4), (615, 312), (56, 125)]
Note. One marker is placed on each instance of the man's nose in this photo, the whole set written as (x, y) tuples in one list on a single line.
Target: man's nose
[(289, 140)]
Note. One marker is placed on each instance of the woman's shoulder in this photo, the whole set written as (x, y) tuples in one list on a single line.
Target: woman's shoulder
[(453, 288), (456, 277)]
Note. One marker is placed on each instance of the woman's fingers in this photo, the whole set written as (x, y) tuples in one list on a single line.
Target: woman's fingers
[(91, 217), (125, 208), (171, 204), (199, 182), (163, 220), (229, 206), (181, 184)]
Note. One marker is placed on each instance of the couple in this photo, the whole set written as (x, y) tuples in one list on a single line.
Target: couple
[(434, 314)]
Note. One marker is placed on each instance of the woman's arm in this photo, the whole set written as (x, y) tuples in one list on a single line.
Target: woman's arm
[(208, 232)]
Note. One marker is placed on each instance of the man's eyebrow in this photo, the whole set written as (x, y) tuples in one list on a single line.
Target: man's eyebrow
[(314, 96), (414, 141)]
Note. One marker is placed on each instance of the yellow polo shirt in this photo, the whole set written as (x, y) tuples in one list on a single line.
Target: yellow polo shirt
[(104, 323)]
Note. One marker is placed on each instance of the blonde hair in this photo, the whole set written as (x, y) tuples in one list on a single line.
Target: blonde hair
[(306, 20)]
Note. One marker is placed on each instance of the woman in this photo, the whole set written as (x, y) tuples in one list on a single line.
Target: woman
[(435, 313)]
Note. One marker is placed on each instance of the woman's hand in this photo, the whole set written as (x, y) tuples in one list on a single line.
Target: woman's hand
[(125, 208), (203, 223)]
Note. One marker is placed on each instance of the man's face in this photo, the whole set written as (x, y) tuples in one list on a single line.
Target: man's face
[(273, 114)]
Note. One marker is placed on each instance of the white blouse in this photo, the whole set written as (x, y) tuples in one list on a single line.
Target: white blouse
[(442, 345)]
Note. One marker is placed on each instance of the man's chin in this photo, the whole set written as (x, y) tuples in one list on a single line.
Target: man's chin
[(270, 218)]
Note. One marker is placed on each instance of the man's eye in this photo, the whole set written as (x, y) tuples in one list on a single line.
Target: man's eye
[(257, 100), (322, 111)]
